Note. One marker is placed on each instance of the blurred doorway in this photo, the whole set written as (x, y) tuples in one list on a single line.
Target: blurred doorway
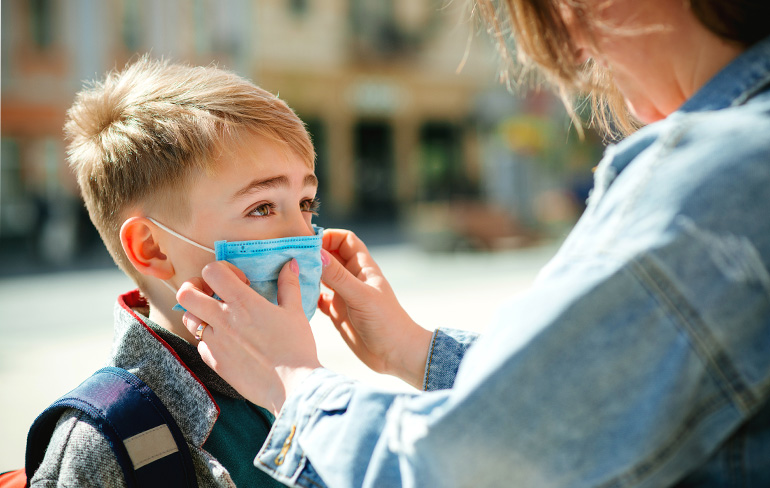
[(442, 171), (375, 168)]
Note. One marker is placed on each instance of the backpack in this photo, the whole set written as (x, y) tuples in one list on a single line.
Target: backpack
[(147, 442)]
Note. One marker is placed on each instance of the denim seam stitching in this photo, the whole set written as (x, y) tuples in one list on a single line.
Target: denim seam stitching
[(296, 471), (310, 480), (720, 366), (430, 360), (656, 152), (303, 459), (314, 412), (280, 476), (267, 443), (660, 456)]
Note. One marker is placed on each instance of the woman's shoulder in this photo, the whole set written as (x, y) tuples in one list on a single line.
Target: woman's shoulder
[(710, 157), (691, 143), (724, 135), (711, 167)]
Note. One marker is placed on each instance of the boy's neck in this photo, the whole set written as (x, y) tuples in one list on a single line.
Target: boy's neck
[(161, 302)]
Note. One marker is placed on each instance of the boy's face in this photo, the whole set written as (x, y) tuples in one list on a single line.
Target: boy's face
[(260, 190)]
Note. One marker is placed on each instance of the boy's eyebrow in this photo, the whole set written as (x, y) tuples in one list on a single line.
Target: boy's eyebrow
[(257, 185), (274, 182)]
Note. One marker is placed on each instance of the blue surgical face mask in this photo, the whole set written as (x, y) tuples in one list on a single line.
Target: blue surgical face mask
[(262, 260)]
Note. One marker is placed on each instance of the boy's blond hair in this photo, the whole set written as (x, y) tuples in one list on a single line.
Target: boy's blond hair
[(140, 136)]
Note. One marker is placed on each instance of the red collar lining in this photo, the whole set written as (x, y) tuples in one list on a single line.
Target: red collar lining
[(134, 298)]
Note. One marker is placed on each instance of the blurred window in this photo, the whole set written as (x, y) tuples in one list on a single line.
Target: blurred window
[(132, 26), (298, 7), (375, 167), (442, 169), (222, 28), (41, 23), (374, 29), (17, 212), (5, 45), (388, 28), (201, 29)]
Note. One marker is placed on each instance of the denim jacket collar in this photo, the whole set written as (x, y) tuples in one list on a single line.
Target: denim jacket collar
[(745, 76), (742, 78)]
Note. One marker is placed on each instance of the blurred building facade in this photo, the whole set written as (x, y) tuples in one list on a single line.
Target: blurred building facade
[(400, 134)]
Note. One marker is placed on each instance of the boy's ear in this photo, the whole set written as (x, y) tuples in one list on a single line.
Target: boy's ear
[(143, 249)]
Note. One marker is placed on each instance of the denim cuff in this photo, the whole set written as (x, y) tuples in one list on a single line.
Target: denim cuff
[(281, 455), (446, 351)]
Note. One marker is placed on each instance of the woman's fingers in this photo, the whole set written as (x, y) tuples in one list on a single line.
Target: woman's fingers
[(231, 287), (324, 300), (201, 285), (229, 282), (289, 295), (357, 258), (262, 350), (238, 272), (191, 322), (338, 278), (205, 351), (346, 247), (332, 305), (191, 296), (353, 259), (342, 242)]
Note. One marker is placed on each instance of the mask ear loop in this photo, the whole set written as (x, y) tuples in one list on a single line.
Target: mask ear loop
[(189, 241), (180, 236), (170, 287)]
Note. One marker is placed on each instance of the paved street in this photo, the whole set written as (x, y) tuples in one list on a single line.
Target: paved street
[(57, 329)]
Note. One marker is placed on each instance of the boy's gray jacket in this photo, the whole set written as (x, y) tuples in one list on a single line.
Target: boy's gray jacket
[(79, 455)]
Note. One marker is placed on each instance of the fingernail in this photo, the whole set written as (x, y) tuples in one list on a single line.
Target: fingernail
[(325, 258), (294, 266)]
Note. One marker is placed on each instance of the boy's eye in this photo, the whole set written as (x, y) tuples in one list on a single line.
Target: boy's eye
[(311, 205), (263, 210)]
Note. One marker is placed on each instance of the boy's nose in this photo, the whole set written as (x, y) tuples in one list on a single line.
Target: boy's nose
[(297, 226)]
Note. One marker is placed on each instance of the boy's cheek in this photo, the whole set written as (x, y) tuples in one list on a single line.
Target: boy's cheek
[(190, 266)]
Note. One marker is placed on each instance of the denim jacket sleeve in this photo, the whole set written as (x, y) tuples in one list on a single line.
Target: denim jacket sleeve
[(623, 381), (592, 393), (447, 349)]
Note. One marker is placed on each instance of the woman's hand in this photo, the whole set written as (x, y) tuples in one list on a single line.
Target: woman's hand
[(367, 314), (263, 350)]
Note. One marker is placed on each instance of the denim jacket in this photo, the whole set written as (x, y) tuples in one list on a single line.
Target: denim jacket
[(639, 357)]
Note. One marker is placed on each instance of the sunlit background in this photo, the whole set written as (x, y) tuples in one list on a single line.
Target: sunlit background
[(426, 161)]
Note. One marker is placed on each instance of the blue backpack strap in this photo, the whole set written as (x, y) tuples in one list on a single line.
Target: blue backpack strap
[(146, 440)]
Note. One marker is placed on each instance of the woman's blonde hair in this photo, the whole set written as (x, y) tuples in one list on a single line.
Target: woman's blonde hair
[(532, 33), (142, 134)]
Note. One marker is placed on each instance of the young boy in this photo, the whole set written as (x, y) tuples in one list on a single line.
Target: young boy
[(168, 156)]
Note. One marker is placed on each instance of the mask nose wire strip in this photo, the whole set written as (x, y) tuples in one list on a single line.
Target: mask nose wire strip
[(189, 241)]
